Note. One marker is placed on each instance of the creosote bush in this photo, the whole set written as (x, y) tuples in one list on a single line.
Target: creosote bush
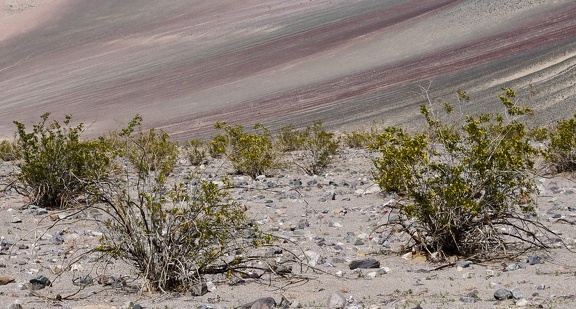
[(7, 150), (173, 230), (561, 151), (56, 165), (289, 138), (360, 139), (251, 153), (195, 152), (467, 189), (318, 146)]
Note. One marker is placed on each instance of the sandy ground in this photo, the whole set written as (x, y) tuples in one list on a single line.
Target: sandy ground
[(341, 210), (186, 65)]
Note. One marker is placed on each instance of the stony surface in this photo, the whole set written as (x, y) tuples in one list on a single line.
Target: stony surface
[(41, 262)]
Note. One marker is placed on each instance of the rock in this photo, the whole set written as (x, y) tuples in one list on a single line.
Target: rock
[(199, 289), (16, 220), (210, 307), (516, 294), (57, 239), (511, 267), (15, 305), (39, 282), (533, 260), (364, 264), (502, 294), (522, 302), (261, 303), (463, 263), (302, 224), (336, 301), (313, 257), (83, 280), (467, 299), (6, 279)]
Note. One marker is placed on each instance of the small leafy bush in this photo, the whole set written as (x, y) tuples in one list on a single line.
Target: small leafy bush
[(56, 165), (173, 230), (465, 188), (360, 139), (251, 153), (7, 150), (289, 138), (195, 152), (561, 151), (319, 147)]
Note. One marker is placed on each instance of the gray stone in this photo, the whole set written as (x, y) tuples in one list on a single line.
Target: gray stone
[(467, 299), (502, 294), (261, 303), (15, 305), (210, 307), (57, 239), (199, 289), (534, 259), (517, 294), (303, 223), (83, 280), (39, 282), (364, 264), (463, 263), (336, 301), (512, 266)]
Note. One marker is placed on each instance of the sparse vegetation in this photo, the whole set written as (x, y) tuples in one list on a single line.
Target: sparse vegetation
[(172, 232), (195, 152), (318, 146), (289, 138), (7, 150), (251, 153), (468, 189), (56, 165), (561, 151)]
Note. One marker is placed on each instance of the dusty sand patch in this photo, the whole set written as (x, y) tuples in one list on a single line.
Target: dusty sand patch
[(19, 16)]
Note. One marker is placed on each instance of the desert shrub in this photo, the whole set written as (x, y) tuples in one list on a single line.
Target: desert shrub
[(56, 165), (360, 139), (251, 153), (289, 138), (319, 147), (149, 150), (7, 150), (217, 146), (195, 152), (465, 187), (173, 229), (561, 151)]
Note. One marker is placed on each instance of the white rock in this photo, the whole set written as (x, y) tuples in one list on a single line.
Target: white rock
[(313, 257)]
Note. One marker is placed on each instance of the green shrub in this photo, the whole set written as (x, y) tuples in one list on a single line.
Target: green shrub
[(7, 150), (466, 187), (360, 139), (252, 153), (148, 150), (56, 165), (195, 152), (290, 139), (319, 148), (173, 232), (561, 151)]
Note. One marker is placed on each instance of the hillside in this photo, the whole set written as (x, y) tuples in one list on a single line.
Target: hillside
[(185, 65)]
